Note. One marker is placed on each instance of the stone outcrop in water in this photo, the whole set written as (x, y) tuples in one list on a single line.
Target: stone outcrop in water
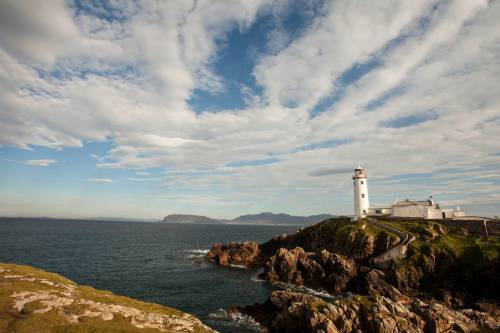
[(234, 254), (32, 300)]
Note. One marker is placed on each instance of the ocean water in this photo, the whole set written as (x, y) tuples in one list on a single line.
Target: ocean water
[(155, 262)]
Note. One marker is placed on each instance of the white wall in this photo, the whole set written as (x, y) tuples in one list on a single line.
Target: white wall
[(433, 213), (449, 213), (426, 212), (410, 211), (361, 202)]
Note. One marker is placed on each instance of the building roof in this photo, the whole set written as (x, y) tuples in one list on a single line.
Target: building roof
[(380, 206), (408, 202)]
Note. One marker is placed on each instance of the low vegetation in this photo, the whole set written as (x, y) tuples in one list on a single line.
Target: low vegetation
[(32, 300)]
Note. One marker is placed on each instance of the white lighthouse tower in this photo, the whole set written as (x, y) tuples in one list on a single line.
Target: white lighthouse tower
[(361, 203)]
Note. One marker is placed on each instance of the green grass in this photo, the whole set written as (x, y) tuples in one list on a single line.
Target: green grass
[(26, 321), (459, 245)]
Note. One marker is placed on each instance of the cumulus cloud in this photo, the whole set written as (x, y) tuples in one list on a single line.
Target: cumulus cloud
[(35, 34)]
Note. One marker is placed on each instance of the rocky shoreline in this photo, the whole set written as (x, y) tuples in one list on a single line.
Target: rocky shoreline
[(32, 300), (415, 276)]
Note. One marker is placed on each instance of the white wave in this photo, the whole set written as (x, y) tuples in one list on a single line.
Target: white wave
[(238, 266), (204, 251), (239, 319), (256, 278), (196, 253)]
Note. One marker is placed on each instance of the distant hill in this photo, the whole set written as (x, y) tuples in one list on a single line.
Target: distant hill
[(262, 218), (186, 218), (271, 218)]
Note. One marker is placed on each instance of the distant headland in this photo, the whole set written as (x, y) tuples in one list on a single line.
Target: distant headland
[(265, 218)]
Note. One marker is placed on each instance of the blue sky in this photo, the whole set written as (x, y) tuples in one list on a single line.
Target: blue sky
[(142, 109)]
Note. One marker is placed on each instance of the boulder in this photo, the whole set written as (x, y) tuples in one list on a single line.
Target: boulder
[(234, 254)]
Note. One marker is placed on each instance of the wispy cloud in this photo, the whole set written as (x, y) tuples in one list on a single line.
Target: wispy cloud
[(144, 179), (42, 163), (100, 180)]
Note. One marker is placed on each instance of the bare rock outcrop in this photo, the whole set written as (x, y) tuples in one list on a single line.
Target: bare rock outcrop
[(296, 312), (337, 235), (326, 270), (37, 301), (234, 254), (417, 276)]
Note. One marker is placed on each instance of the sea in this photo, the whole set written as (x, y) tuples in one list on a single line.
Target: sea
[(151, 261)]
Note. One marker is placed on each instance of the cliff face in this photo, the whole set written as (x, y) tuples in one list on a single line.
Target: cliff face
[(447, 268), (339, 235), (32, 300)]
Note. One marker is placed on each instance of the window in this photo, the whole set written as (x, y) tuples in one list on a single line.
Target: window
[(362, 182), (378, 211), (363, 195)]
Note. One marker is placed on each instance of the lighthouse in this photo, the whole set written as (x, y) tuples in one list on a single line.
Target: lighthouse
[(360, 192)]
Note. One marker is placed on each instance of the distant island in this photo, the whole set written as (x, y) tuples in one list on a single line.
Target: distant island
[(265, 218)]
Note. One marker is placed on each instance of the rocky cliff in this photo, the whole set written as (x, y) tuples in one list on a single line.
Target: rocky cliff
[(435, 278), (32, 300)]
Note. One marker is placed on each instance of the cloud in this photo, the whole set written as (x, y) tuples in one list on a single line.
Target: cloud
[(100, 180), (128, 80), (42, 163), (35, 34), (330, 171), (144, 179)]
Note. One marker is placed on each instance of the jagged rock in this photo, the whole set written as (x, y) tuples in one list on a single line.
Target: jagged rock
[(296, 312), (324, 269), (237, 254), (292, 266), (372, 282), (451, 270), (337, 235), (339, 271)]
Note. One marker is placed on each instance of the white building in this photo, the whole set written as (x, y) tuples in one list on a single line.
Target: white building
[(361, 203), (427, 209)]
